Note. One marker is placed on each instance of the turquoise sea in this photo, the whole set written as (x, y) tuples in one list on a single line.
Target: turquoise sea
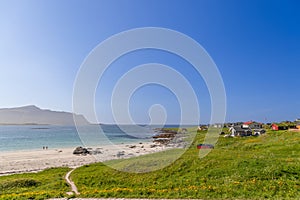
[(30, 137)]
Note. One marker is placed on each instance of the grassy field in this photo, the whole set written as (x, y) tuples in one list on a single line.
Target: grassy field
[(245, 168), (261, 167), (42, 185)]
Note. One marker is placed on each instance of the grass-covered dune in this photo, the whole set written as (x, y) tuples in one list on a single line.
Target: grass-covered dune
[(261, 167), (42, 185), (267, 166)]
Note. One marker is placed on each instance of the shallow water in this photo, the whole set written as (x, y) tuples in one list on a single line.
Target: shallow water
[(29, 137)]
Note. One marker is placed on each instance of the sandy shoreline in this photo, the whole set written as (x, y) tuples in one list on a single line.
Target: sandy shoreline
[(37, 160)]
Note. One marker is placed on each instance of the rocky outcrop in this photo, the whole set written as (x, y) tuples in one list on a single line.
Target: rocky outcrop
[(85, 151), (170, 137), (165, 135), (81, 151), (163, 141)]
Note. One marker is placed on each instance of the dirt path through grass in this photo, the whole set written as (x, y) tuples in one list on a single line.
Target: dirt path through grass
[(71, 183)]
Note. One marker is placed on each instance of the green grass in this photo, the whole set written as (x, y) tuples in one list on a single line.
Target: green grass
[(261, 167), (146, 163), (42, 185), (245, 168)]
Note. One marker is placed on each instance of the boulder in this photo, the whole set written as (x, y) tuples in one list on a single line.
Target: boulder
[(120, 153), (163, 141), (81, 151), (153, 145)]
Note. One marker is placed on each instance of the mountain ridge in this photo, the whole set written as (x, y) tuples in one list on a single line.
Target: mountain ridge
[(32, 114)]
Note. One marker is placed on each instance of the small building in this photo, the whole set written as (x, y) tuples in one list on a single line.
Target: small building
[(247, 129), (277, 127), (242, 131), (253, 125), (285, 125), (297, 122), (217, 125), (239, 130), (256, 127), (298, 125)]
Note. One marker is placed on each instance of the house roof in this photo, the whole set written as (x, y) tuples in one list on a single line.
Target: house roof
[(239, 128), (251, 122)]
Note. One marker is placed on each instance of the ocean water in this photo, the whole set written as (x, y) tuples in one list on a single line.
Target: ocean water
[(31, 137)]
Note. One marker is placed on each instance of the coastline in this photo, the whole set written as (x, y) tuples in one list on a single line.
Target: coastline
[(18, 162)]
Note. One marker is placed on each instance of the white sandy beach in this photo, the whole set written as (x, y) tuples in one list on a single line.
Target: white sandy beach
[(37, 160)]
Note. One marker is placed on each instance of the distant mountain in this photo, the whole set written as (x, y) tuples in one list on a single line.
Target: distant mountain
[(34, 115)]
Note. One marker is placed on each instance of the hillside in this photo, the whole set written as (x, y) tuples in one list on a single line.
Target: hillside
[(264, 167), (34, 115), (261, 167)]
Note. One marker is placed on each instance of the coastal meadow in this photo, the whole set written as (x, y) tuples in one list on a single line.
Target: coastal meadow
[(267, 166), (261, 167), (41, 185)]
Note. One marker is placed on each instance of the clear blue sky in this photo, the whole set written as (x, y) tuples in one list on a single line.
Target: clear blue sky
[(255, 44)]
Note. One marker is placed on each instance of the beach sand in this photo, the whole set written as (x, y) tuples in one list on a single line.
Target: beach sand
[(37, 160)]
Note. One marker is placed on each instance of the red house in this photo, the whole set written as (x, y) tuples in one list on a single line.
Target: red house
[(275, 127)]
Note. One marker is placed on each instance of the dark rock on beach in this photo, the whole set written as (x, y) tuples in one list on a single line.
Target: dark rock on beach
[(81, 151), (164, 141), (165, 135), (153, 145)]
